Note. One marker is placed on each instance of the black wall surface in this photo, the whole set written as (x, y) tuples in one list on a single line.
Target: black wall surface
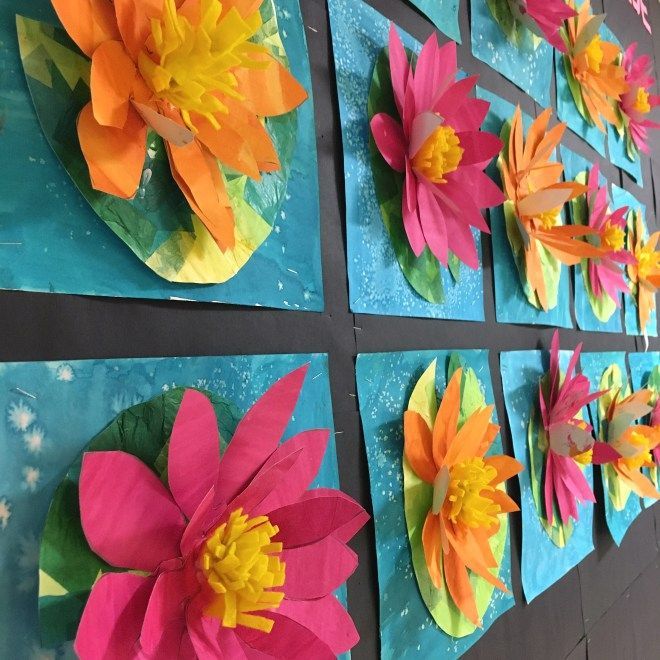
[(607, 607)]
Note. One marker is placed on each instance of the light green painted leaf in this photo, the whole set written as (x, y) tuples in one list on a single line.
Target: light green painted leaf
[(519, 33)]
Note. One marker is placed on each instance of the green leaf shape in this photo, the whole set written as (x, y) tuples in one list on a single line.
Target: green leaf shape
[(158, 224), (68, 568), (423, 272), (576, 91), (612, 383), (519, 34), (418, 497), (602, 306), (537, 445)]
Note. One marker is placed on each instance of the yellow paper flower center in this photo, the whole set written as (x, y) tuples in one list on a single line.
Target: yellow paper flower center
[(440, 154), (190, 66), (594, 52), (613, 237), (642, 444), (642, 101), (548, 219), (241, 564), (644, 258), (467, 495), (585, 458)]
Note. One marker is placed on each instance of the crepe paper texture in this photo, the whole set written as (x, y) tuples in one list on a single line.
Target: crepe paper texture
[(647, 249), (543, 562), (428, 156), (645, 373), (443, 14), (386, 382), (596, 313), (376, 280), (528, 66), (50, 412), (278, 215), (511, 303)]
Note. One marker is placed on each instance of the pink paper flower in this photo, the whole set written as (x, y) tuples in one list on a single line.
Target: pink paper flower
[(236, 559), (548, 17), (606, 271), (638, 101), (436, 142), (570, 439)]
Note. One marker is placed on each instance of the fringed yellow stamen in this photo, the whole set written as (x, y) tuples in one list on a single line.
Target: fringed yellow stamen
[(642, 101), (549, 219), (613, 237), (440, 154), (192, 66), (641, 442), (594, 53), (585, 458), (467, 495), (241, 564)]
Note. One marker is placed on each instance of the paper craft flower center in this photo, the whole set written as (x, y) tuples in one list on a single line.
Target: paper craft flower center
[(468, 491), (548, 219), (585, 458), (594, 53), (242, 564), (644, 262), (613, 237), (440, 154), (642, 457), (642, 104), (191, 66)]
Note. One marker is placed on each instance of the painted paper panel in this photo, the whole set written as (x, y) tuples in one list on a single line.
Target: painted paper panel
[(443, 14)]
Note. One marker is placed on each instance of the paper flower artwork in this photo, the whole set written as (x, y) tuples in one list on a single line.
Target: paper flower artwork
[(637, 102), (533, 209), (644, 272), (595, 77), (529, 21), (428, 159), (196, 553), (567, 444), (168, 122), (457, 491), (618, 410), (603, 276)]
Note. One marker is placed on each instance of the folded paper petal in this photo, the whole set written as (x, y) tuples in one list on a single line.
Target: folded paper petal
[(390, 140), (418, 446), (127, 514), (134, 20), (88, 22)]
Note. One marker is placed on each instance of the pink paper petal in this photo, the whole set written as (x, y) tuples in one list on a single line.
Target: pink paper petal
[(204, 633), (548, 487), (390, 140), (472, 115), (575, 480), (128, 516), (194, 451), (479, 147), (426, 75), (604, 453), (313, 519), (411, 222), (454, 97), (110, 623), (433, 222), (399, 68), (303, 472), (461, 243), (317, 569), (257, 436), (481, 189)]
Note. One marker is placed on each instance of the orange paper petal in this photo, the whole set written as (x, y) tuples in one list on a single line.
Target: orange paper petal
[(418, 446), (444, 428), (506, 467), (431, 545), (458, 583), (134, 20), (467, 441), (88, 22)]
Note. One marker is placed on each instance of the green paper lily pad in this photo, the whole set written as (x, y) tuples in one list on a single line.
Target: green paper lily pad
[(517, 33)]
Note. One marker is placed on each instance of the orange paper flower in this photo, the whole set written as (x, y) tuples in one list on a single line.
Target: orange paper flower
[(468, 494), (596, 77), (645, 272), (191, 72), (535, 194)]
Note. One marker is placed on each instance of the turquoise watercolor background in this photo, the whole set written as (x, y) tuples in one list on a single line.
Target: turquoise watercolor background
[(511, 304), (376, 283), (584, 315), (443, 14), (385, 382), (543, 563), (50, 410), (51, 240), (593, 366), (531, 70)]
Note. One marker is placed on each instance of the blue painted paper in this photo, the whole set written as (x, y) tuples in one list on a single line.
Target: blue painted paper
[(511, 304), (385, 382), (543, 563), (584, 315), (641, 366), (621, 197), (593, 366), (50, 410), (443, 14), (531, 70), (52, 241), (568, 112), (376, 283)]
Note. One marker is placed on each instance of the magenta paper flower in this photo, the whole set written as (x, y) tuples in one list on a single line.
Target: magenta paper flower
[(436, 142), (570, 438), (638, 101), (606, 271), (236, 558), (548, 17)]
